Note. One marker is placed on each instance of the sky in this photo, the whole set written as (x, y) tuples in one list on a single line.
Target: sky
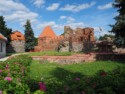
[(59, 13)]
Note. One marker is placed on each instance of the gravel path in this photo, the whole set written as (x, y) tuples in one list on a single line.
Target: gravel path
[(5, 58)]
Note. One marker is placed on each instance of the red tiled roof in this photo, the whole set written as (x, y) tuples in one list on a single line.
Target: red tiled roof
[(47, 32), (2, 37), (17, 36)]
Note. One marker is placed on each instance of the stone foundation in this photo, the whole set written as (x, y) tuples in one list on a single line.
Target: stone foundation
[(78, 58)]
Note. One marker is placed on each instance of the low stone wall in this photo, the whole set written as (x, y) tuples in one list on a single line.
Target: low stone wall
[(119, 50), (78, 58), (110, 56)]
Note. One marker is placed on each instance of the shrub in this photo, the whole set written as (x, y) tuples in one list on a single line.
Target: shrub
[(101, 83), (13, 74), (14, 77), (22, 59)]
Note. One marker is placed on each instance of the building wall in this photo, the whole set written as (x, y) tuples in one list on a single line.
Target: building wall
[(17, 42), (48, 43), (76, 39), (16, 46), (2, 48)]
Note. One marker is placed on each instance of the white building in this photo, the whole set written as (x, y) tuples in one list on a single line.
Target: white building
[(3, 41)]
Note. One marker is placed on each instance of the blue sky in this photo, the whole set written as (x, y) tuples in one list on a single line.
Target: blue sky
[(59, 13)]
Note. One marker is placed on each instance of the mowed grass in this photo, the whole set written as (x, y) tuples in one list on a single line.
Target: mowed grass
[(48, 70), (50, 53)]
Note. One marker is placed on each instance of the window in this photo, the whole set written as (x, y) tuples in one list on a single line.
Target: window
[(18, 35), (1, 46)]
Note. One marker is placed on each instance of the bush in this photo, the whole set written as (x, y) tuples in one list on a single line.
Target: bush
[(22, 59), (101, 83), (13, 73)]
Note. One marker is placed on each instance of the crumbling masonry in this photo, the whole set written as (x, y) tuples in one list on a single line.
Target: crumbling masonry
[(71, 40)]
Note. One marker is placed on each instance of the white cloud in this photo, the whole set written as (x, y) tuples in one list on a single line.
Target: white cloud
[(68, 19), (62, 17), (53, 7), (17, 0), (16, 12), (44, 24), (77, 8), (76, 24), (99, 33), (9, 5), (59, 28), (21, 16), (106, 6), (38, 3)]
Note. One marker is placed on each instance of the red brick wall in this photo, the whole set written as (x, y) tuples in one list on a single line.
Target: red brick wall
[(48, 43)]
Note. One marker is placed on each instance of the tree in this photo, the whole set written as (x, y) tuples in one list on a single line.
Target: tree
[(36, 41), (4, 30), (119, 27), (29, 37), (106, 36)]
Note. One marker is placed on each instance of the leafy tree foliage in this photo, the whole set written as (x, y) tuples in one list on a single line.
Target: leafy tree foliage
[(4, 30), (36, 41), (106, 36), (119, 27), (119, 42), (29, 37)]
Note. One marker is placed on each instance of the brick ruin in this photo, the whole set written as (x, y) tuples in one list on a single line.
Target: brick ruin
[(71, 40), (17, 42), (77, 40), (48, 40)]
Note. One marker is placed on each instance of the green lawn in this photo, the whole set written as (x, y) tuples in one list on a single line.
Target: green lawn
[(47, 70), (50, 53)]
